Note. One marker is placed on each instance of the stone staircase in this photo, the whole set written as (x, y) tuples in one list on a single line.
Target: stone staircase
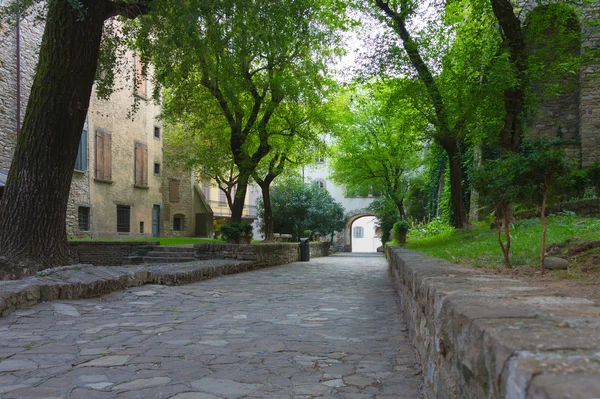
[(160, 254)]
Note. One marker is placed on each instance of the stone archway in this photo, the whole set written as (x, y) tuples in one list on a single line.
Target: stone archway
[(351, 217)]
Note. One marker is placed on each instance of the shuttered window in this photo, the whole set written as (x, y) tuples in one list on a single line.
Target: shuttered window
[(359, 232), (140, 79), (174, 190), (103, 156), (123, 218), (141, 164)]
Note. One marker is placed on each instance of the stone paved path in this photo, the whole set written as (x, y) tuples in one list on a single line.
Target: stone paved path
[(329, 328)]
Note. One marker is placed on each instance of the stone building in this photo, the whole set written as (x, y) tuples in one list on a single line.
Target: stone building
[(120, 186), (568, 104)]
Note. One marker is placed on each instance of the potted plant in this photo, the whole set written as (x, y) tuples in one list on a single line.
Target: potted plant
[(400, 230)]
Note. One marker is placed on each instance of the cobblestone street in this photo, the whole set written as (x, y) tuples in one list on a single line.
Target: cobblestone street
[(329, 328)]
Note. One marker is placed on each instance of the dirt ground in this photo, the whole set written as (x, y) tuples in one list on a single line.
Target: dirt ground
[(582, 279)]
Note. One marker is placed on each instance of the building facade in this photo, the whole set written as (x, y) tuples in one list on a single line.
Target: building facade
[(121, 187)]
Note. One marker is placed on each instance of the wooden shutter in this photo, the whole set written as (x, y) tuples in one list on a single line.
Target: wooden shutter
[(140, 80), (99, 155), (173, 191), (141, 164), (144, 164), (107, 156)]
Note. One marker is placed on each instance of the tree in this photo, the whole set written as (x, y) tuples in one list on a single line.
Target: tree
[(497, 182), (298, 206), (454, 92), (237, 63), (386, 213), (377, 147), (543, 172), (34, 205)]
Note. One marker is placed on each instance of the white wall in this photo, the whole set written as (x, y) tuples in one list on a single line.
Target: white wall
[(369, 243)]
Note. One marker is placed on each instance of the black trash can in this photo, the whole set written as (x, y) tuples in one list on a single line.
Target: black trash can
[(304, 250)]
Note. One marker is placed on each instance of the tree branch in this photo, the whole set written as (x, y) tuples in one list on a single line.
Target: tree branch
[(127, 10)]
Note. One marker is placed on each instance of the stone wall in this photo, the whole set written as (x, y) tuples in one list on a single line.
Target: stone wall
[(485, 336), (589, 207), (270, 254), (102, 253)]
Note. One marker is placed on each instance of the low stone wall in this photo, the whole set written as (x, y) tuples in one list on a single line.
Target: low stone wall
[(589, 207), (483, 336), (270, 254), (102, 253)]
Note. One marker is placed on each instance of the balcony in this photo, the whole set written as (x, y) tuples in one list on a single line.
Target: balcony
[(220, 210)]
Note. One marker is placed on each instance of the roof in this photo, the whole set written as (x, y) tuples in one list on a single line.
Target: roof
[(3, 176)]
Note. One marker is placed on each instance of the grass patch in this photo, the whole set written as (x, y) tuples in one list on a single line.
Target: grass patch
[(478, 245)]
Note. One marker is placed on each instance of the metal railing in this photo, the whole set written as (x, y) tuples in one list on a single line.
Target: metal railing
[(222, 209)]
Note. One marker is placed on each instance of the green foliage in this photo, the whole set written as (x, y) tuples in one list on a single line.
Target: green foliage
[(299, 207), (400, 229), (593, 176), (478, 246), (436, 227), (387, 214), (232, 231)]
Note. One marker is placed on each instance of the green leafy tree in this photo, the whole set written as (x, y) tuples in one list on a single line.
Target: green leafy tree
[(237, 63), (298, 206), (34, 206), (497, 181), (387, 215), (544, 173), (376, 148)]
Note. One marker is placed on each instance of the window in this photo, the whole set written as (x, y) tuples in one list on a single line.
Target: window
[(206, 189), (174, 190), (83, 213), (141, 164), (140, 79), (141, 227), (156, 169), (222, 198), (320, 159), (359, 232), (81, 163), (123, 218), (321, 183), (103, 156), (178, 222), (156, 132)]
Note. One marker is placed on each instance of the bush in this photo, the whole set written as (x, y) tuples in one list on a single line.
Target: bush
[(593, 175), (232, 231), (400, 229), (431, 229)]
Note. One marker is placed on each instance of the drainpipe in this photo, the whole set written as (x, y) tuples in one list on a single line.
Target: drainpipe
[(18, 67)]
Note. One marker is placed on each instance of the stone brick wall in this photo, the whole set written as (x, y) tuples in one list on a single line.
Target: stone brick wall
[(265, 254), (31, 37), (102, 253), (486, 336), (589, 207)]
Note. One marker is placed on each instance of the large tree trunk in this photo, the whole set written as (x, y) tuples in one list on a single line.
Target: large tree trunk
[(459, 214), (33, 209), (239, 200), (268, 211), (514, 96), (34, 206)]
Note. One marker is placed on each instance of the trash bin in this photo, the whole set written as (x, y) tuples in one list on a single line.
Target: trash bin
[(304, 250)]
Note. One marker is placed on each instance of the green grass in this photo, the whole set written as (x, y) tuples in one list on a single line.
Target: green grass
[(162, 240), (479, 246)]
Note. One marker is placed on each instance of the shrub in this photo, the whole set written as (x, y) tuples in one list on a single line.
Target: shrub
[(232, 231), (400, 229)]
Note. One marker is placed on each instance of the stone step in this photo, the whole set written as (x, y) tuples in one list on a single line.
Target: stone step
[(173, 249), (167, 259), (187, 253)]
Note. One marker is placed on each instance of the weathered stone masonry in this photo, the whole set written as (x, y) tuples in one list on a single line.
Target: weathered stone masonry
[(482, 336)]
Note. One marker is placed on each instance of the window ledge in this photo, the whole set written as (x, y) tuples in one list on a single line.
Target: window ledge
[(144, 187), (79, 172), (103, 181)]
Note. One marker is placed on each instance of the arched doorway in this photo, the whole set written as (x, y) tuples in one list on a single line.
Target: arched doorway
[(365, 234)]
